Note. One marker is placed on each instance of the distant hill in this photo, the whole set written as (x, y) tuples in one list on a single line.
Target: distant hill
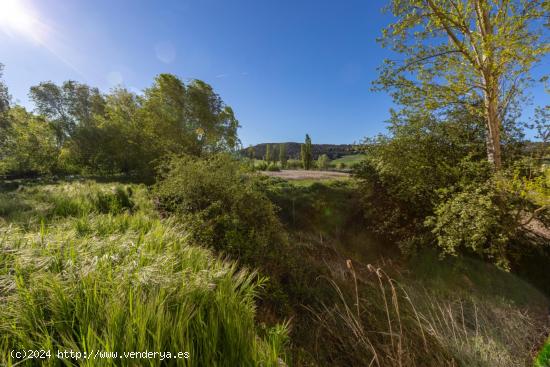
[(333, 151)]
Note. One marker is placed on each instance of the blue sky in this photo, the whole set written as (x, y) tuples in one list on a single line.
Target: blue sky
[(286, 67)]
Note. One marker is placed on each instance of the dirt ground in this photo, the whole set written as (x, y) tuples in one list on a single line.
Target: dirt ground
[(292, 174)]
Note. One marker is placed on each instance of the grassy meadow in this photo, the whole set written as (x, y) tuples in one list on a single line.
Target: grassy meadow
[(348, 160), (88, 266)]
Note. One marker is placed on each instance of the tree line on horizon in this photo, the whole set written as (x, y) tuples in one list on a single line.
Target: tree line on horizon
[(277, 154)]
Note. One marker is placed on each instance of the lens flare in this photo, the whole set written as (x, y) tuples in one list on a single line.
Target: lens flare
[(16, 17)]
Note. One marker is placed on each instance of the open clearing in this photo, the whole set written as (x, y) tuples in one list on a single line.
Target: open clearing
[(294, 174)]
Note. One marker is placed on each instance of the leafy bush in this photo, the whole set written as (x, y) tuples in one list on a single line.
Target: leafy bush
[(27, 145), (261, 166), (341, 165), (116, 201), (323, 162), (474, 219), (294, 164), (403, 175), (219, 202), (273, 167)]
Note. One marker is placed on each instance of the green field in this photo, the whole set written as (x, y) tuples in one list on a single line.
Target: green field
[(349, 160)]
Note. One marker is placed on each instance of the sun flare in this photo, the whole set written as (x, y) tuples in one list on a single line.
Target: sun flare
[(17, 17)]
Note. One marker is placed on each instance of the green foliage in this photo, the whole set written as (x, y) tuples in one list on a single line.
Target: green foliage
[(31, 204), (268, 155), (28, 144), (474, 53), (219, 202), (433, 168), (261, 166), (403, 174), (294, 164), (323, 162), (67, 106), (351, 160), (282, 155), (274, 153), (115, 133), (543, 358), (341, 166), (123, 281), (273, 167), (5, 98), (306, 154), (251, 153), (474, 219)]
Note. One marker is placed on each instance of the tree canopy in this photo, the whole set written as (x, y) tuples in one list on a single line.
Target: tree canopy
[(474, 53), (120, 131)]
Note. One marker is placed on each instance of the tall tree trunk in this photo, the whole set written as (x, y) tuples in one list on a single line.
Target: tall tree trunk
[(493, 126), (491, 79)]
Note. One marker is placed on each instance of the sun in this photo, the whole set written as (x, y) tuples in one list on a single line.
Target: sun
[(17, 17)]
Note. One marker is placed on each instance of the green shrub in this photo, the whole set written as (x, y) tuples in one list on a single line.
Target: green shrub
[(473, 220), (261, 166), (116, 201), (273, 167), (220, 204), (294, 164), (323, 162)]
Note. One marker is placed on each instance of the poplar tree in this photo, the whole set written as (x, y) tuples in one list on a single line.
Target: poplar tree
[(305, 151), (472, 53), (268, 153), (251, 152), (282, 154), (274, 155)]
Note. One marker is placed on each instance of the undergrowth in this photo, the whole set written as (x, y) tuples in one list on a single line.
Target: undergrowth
[(87, 267), (386, 322)]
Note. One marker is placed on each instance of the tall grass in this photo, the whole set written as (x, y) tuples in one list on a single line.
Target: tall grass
[(87, 267), (387, 324)]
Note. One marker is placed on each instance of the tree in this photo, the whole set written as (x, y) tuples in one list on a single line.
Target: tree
[(251, 152), (274, 153), (268, 153), (282, 154), (126, 144), (306, 155), (29, 146), (211, 121), (404, 174), (322, 162), (4, 108), (123, 132), (67, 106), (5, 98), (476, 53)]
